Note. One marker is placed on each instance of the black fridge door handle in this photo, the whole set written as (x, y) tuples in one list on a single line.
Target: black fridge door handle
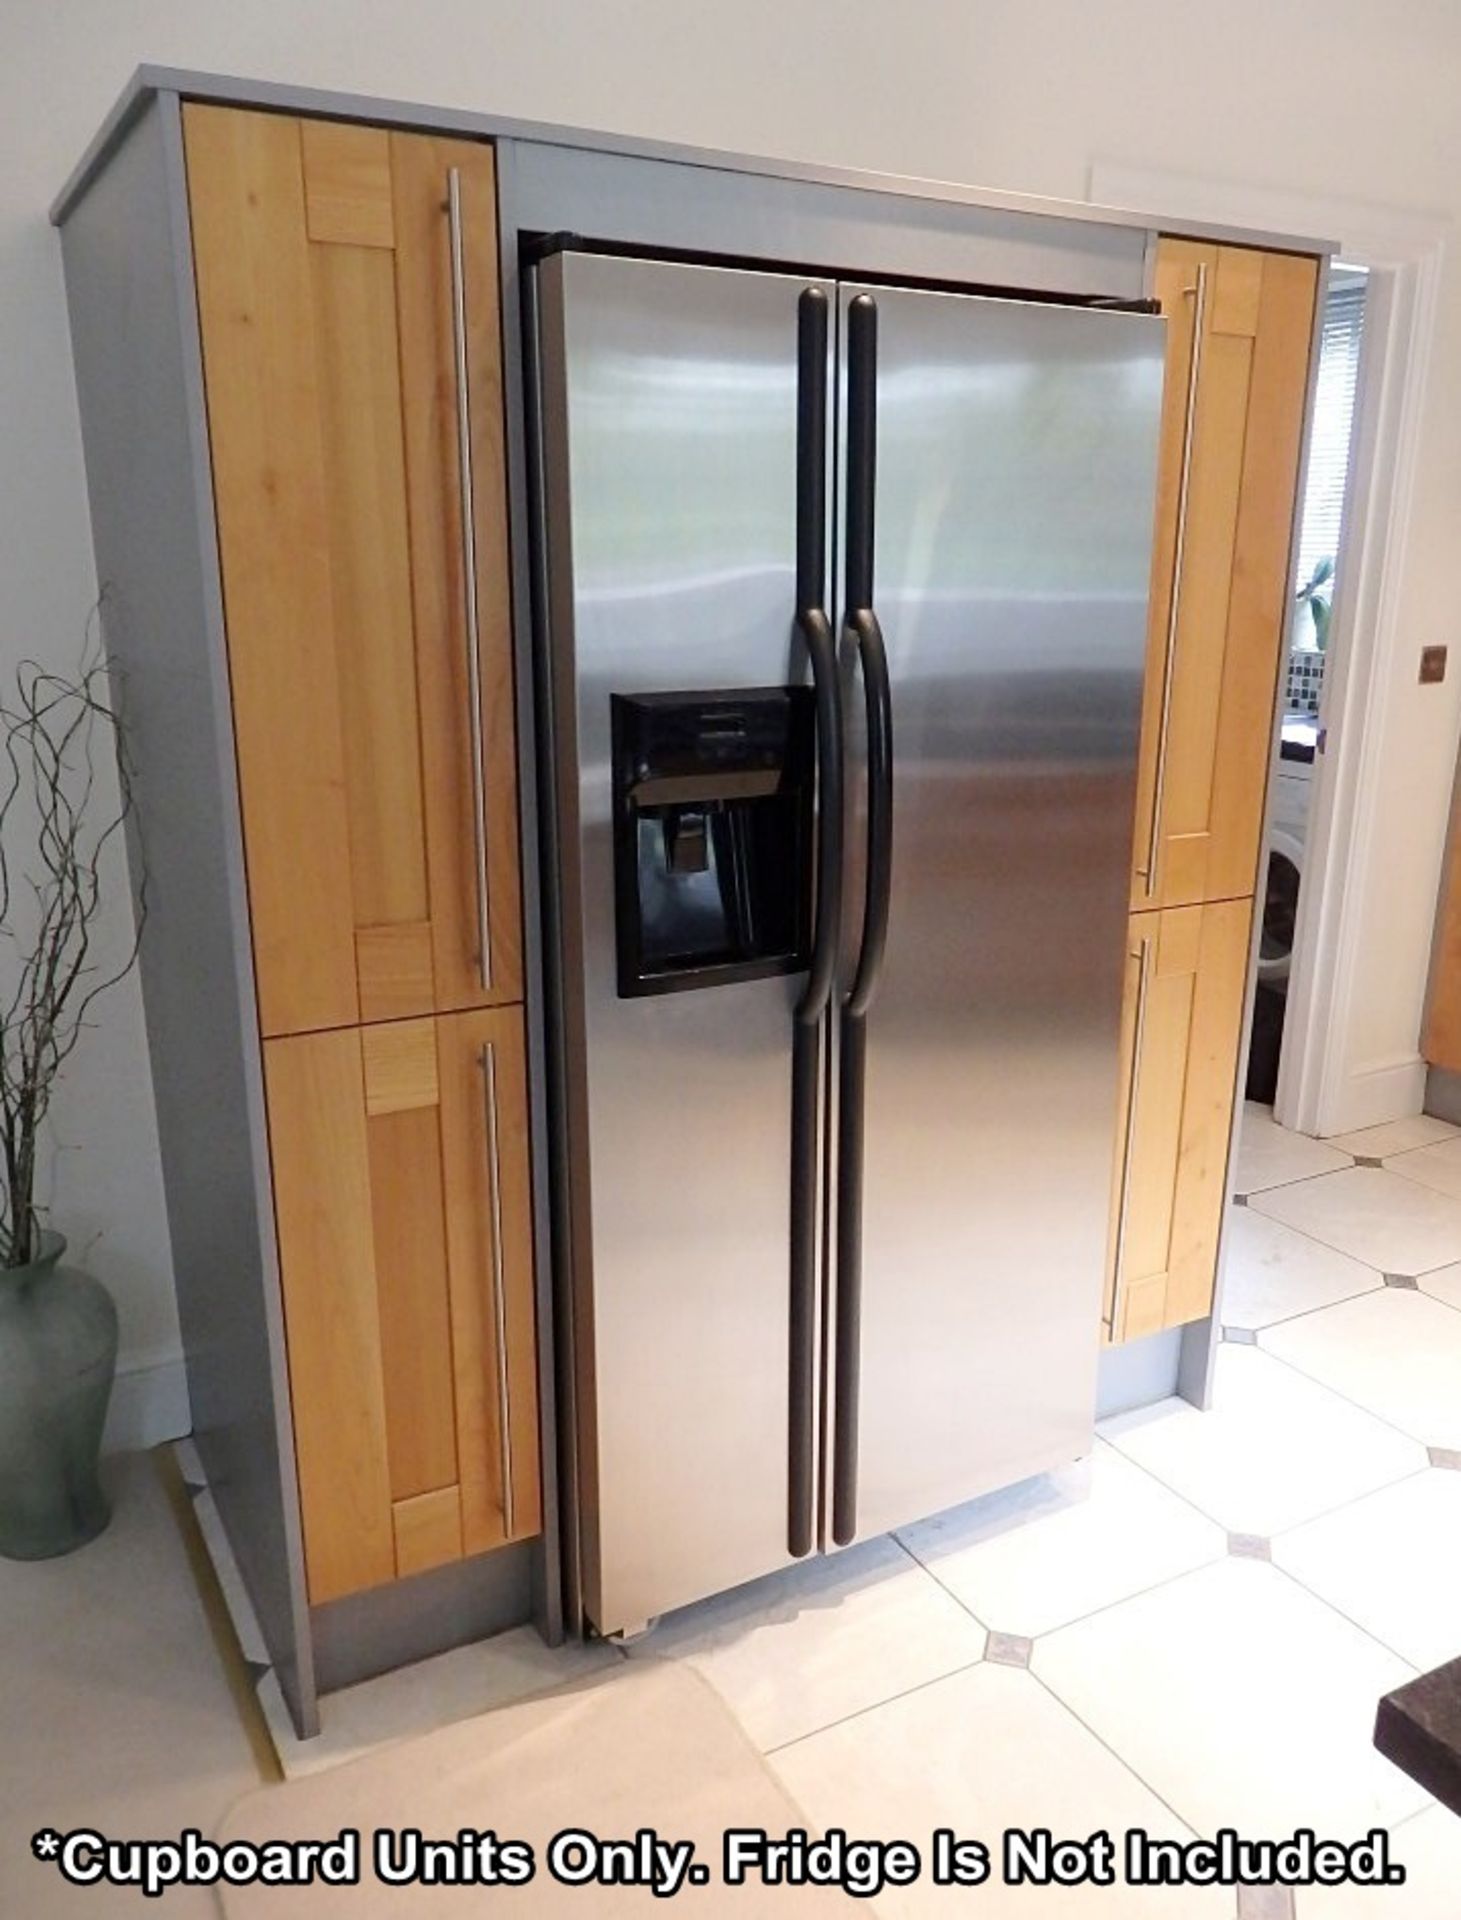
[(867, 635), (873, 655), (863, 629), (816, 632), (827, 915)]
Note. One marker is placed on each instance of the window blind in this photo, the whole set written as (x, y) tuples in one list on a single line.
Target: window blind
[(1334, 397)]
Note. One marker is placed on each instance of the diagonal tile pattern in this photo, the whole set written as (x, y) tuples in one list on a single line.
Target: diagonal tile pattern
[(1266, 1728), (1145, 1664), (1437, 1166), (1270, 1156), (1376, 1216), (1391, 1563), (1443, 1284), (1396, 1353), (829, 1637), (980, 1752), (1048, 1551), (1275, 1448), (1395, 1136), (1274, 1272), (1208, 1608)]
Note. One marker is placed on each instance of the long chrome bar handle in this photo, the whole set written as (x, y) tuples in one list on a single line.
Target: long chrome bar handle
[(1184, 489), (499, 1292), (1133, 1081), (466, 497)]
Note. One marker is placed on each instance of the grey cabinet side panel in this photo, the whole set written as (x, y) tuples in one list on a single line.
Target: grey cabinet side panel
[(139, 378), (365, 1634), (659, 203), (548, 1575)]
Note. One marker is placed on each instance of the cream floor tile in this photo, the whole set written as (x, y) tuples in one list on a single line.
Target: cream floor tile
[(1392, 1563), (1443, 1284), (979, 1752), (829, 1637), (1275, 1449), (1396, 1352), (1048, 1551), (1271, 1156), (1428, 1846), (115, 1705), (1273, 1273), (1395, 1136), (414, 1700), (1437, 1167), (1240, 1699), (1395, 1225)]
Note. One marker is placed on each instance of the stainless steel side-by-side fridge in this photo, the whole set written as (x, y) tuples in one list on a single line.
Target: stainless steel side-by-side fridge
[(843, 608)]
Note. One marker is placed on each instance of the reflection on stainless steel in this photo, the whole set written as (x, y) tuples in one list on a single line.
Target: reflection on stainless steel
[(1016, 461), (1017, 452)]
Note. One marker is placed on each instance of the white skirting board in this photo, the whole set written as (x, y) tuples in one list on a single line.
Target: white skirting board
[(1371, 1096), (149, 1405)]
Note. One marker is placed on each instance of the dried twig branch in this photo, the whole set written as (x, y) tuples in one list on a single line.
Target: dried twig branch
[(54, 731)]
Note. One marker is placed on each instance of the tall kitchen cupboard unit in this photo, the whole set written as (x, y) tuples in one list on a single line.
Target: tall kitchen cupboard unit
[(347, 300), (288, 342), (1240, 330)]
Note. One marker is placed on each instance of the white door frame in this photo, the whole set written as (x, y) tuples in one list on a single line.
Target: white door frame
[(1319, 1090)]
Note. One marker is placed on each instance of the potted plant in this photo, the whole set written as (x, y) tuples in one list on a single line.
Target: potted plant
[(58, 1326), (1317, 595)]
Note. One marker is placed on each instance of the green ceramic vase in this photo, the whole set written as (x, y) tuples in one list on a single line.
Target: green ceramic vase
[(58, 1358)]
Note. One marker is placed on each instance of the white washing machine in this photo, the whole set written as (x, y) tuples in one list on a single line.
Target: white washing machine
[(1287, 834)]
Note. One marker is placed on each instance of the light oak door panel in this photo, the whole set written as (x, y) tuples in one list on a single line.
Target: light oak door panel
[(322, 1202), (402, 1192), (409, 1226), (1181, 1038), (255, 288), (370, 554), (367, 848), (1227, 490), (428, 1531), (347, 183)]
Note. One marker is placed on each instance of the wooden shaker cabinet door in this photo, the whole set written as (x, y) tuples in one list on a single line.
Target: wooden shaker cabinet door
[(380, 823), (401, 1189), (1181, 1038), (1240, 333)]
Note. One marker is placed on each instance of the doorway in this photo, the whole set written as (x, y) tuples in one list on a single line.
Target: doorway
[(1318, 565)]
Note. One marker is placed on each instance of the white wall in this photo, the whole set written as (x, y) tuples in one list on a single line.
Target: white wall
[(1345, 98)]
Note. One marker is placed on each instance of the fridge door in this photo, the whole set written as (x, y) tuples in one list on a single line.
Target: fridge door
[(1015, 451), (669, 425)]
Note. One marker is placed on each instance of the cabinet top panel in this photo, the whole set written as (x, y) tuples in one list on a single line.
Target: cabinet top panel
[(148, 81)]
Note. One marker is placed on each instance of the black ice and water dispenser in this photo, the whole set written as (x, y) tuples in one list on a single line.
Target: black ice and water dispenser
[(712, 836)]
